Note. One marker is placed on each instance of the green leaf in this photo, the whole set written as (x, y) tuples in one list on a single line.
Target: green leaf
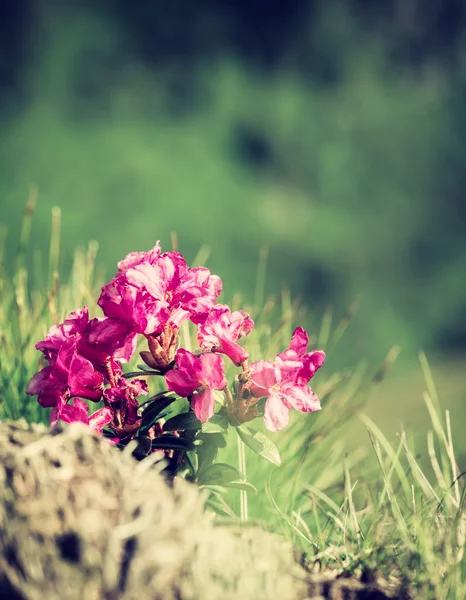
[(144, 446), (152, 412), (217, 424), (142, 373), (169, 441), (108, 433), (182, 422), (144, 367), (219, 474), (157, 396), (260, 443), (192, 460), (219, 505), (241, 485), (214, 489), (207, 451)]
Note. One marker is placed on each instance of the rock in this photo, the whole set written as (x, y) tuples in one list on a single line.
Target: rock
[(79, 519)]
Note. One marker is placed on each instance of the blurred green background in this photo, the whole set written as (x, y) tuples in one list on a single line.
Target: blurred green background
[(332, 132)]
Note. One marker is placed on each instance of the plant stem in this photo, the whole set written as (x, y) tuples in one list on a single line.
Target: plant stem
[(243, 495)]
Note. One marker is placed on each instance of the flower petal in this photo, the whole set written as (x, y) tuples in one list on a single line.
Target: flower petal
[(297, 347), (203, 404), (222, 329), (84, 380), (213, 371), (235, 352), (311, 363), (100, 418), (287, 370), (69, 413), (135, 258), (276, 413), (301, 398), (39, 381), (262, 378), (299, 341), (187, 377)]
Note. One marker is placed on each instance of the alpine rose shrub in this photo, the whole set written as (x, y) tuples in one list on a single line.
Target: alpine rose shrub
[(151, 295)]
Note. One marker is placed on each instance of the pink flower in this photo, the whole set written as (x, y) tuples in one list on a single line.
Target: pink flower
[(74, 324), (122, 300), (108, 339), (122, 401), (151, 292), (197, 376), (284, 381), (70, 375), (99, 340), (126, 390), (79, 413), (222, 328), (135, 258), (311, 361)]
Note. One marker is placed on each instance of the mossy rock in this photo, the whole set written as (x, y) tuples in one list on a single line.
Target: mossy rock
[(79, 519)]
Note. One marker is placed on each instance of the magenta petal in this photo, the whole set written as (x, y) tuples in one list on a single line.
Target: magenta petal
[(276, 413), (194, 371), (106, 332), (235, 352), (112, 338), (180, 383), (126, 391), (39, 381), (49, 384), (288, 370), (178, 316), (74, 324), (186, 361), (187, 377), (84, 380), (222, 328), (262, 378), (213, 285), (134, 258), (241, 323), (50, 397), (173, 268), (54, 416), (148, 278), (197, 292), (101, 418), (313, 361), (310, 363), (126, 299), (73, 414), (131, 260), (203, 404), (298, 345), (301, 398), (126, 351), (213, 371), (299, 341), (66, 354)]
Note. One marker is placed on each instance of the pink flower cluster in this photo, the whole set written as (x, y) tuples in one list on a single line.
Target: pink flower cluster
[(153, 290), (152, 294), (285, 380)]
